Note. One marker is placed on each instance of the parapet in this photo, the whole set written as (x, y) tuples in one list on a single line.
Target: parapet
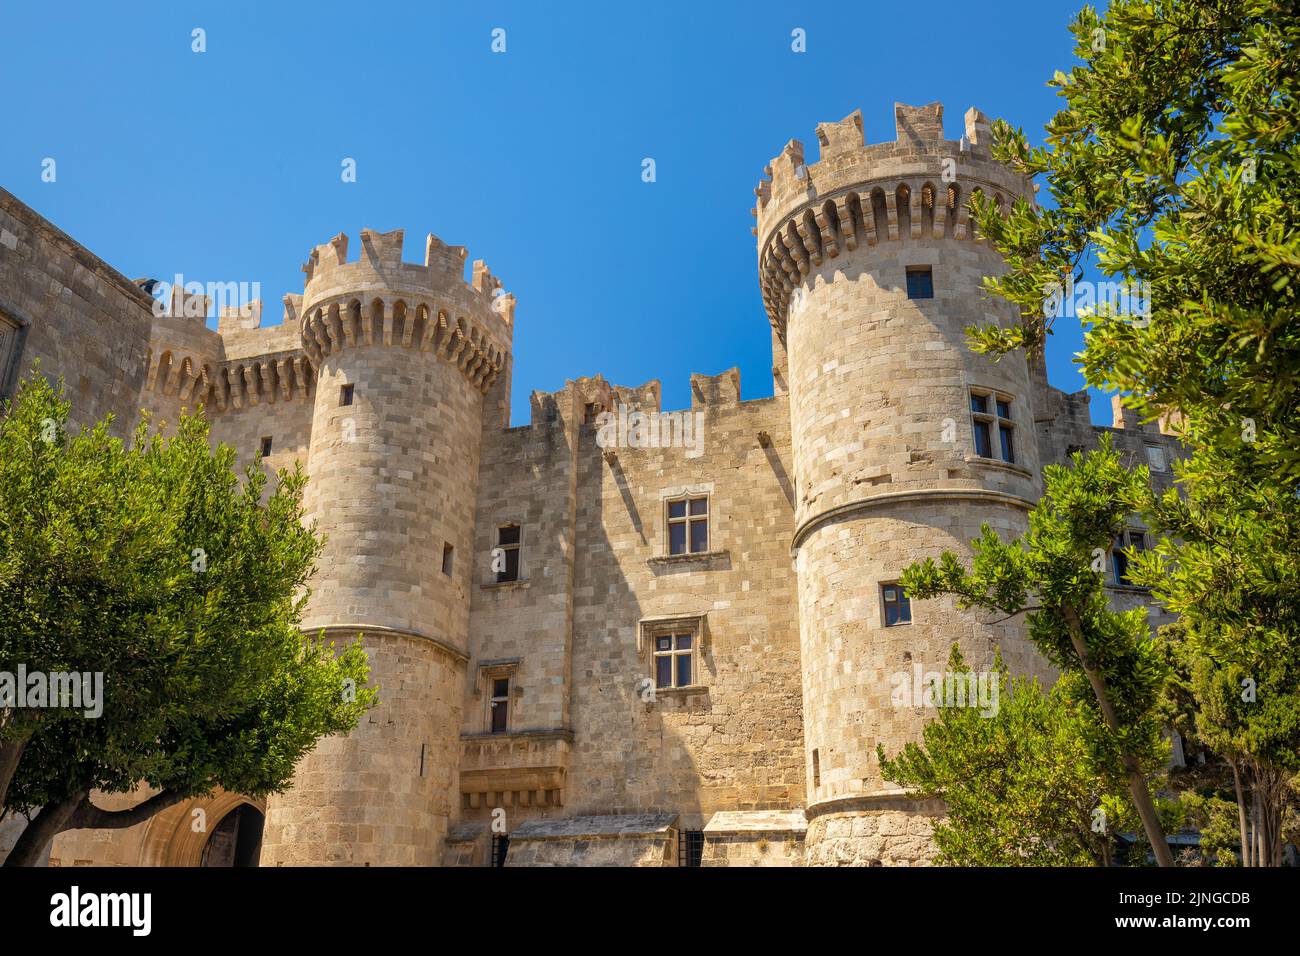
[(379, 299), (917, 186)]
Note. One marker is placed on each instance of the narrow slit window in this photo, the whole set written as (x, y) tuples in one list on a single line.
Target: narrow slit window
[(448, 559), (499, 705), (345, 394)]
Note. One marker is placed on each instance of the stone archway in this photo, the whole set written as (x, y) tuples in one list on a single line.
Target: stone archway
[(179, 835)]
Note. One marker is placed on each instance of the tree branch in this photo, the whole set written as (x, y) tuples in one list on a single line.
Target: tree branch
[(89, 816)]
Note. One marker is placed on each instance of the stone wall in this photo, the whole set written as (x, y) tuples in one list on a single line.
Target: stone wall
[(82, 319)]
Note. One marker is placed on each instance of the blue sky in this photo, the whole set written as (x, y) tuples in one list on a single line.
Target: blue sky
[(225, 165)]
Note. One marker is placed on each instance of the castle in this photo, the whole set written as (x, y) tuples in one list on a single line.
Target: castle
[(593, 647)]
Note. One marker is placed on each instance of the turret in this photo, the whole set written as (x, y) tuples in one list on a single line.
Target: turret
[(904, 442), (404, 355)]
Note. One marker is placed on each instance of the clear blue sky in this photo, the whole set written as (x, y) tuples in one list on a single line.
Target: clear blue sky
[(225, 165)]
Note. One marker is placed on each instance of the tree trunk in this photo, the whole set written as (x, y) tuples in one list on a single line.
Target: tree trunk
[(1241, 813), (44, 827), (1137, 784), (11, 752), (77, 813)]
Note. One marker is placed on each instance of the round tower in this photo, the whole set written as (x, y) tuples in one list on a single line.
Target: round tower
[(404, 355), (904, 442)]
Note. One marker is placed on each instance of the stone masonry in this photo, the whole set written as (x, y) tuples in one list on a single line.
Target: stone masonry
[(630, 687)]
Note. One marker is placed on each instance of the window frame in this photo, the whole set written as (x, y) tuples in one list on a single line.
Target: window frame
[(494, 700), (687, 519), (11, 359), (996, 423), (1162, 454), (673, 634), (903, 602), (1123, 546), (918, 270), (516, 546)]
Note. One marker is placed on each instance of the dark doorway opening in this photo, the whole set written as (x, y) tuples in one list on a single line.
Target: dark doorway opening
[(237, 840)]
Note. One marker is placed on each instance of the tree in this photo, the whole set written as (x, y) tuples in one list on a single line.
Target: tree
[(1173, 167), (151, 565), (1174, 164), (1229, 567), (1020, 785), (1057, 563)]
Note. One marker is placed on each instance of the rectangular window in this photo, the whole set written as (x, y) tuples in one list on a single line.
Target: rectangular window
[(1155, 458), (448, 559), (505, 559), (817, 769), (920, 282), (688, 525), (265, 450), (1127, 544), (674, 660), (690, 848), (12, 333), (990, 414), (500, 704), (345, 395), (898, 609)]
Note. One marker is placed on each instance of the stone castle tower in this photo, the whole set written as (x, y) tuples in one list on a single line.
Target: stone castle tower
[(404, 356), (696, 647), (881, 385)]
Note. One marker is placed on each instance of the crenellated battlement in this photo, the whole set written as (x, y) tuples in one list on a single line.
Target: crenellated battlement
[(857, 193), (379, 299)]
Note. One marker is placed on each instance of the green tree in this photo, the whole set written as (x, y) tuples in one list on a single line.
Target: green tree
[(1020, 785), (1054, 575), (151, 564), (1229, 567), (1173, 167)]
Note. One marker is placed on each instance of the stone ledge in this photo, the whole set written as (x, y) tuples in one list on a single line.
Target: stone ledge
[(505, 585), (670, 560), (612, 826), (998, 465), (756, 821)]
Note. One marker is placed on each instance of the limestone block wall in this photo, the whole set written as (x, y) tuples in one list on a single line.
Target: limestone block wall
[(380, 796), (878, 835), (732, 741), (758, 838), (81, 318)]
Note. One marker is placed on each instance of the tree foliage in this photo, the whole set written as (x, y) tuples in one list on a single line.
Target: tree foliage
[(1053, 574), (150, 562), (1021, 785)]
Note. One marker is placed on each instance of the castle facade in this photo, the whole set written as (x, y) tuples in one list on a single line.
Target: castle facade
[(615, 634)]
